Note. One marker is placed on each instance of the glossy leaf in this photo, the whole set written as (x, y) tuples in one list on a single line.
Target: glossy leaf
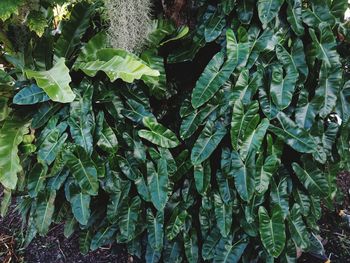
[(227, 252), (11, 135), (268, 10), (207, 142), (158, 134), (202, 176), (155, 229), (44, 211), (297, 228), (30, 95), (223, 215), (36, 178), (55, 82), (272, 230), (129, 214), (294, 16)]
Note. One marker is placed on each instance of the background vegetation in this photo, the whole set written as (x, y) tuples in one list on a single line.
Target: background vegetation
[(215, 143)]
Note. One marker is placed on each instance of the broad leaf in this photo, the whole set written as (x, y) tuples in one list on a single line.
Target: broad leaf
[(297, 228), (268, 10), (55, 82), (30, 95), (44, 211)]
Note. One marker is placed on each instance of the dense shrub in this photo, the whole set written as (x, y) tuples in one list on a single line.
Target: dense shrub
[(217, 145)]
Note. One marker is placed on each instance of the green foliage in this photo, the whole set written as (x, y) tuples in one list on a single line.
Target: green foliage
[(227, 165)]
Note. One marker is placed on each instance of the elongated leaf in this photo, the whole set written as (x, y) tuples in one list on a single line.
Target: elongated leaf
[(326, 93), (191, 246), (103, 236), (44, 211), (325, 45), (272, 230), (244, 176), (172, 252), (209, 82), (55, 82), (294, 16), (214, 26), (158, 183), (129, 214), (268, 10), (318, 13), (207, 142), (158, 134), (211, 241), (30, 95), (36, 178), (252, 142), (45, 112), (295, 137), (155, 229), (5, 202), (202, 176), (240, 120), (80, 204), (107, 139), (223, 215), (245, 9), (51, 146), (11, 135), (176, 224), (85, 241), (226, 252), (264, 175), (83, 170), (73, 29), (297, 228), (314, 181), (247, 86), (279, 196)]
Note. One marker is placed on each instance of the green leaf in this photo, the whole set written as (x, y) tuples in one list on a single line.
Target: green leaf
[(314, 181), (36, 179), (30, 95), (246, 86), (282, 88), (81, 120), (245, 10), (129, 167), (319, 13), (129, 215), (207, 141), (51, 146), (9, 7), (158, 183), (80, 204), (343, 102), (191, 246), (11, 135), (209, 82), (117, 64), (294, 16), (5, 202), (83, 170), (158, 134), (225, 187), (44, 211), (43, 115), (37, 22), (202, 176), (176, 223), (325, 46), (268, 10), (70, 226), (328, 90), (252, 142), (73, 30), (181, 32), (85, 241), (297, 138), (244, 176), (297, 228), (226, 252), (265, 173), (279, 195), (223, 215), (272, 230), (214, 26), (240, 120), (152, 255), (172, 252), (55, 82), (107, 140), (303, 201), (103, 236), (210, 243), (155, 229)]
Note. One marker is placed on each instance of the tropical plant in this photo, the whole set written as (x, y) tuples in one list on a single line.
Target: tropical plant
[(180, 161)]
